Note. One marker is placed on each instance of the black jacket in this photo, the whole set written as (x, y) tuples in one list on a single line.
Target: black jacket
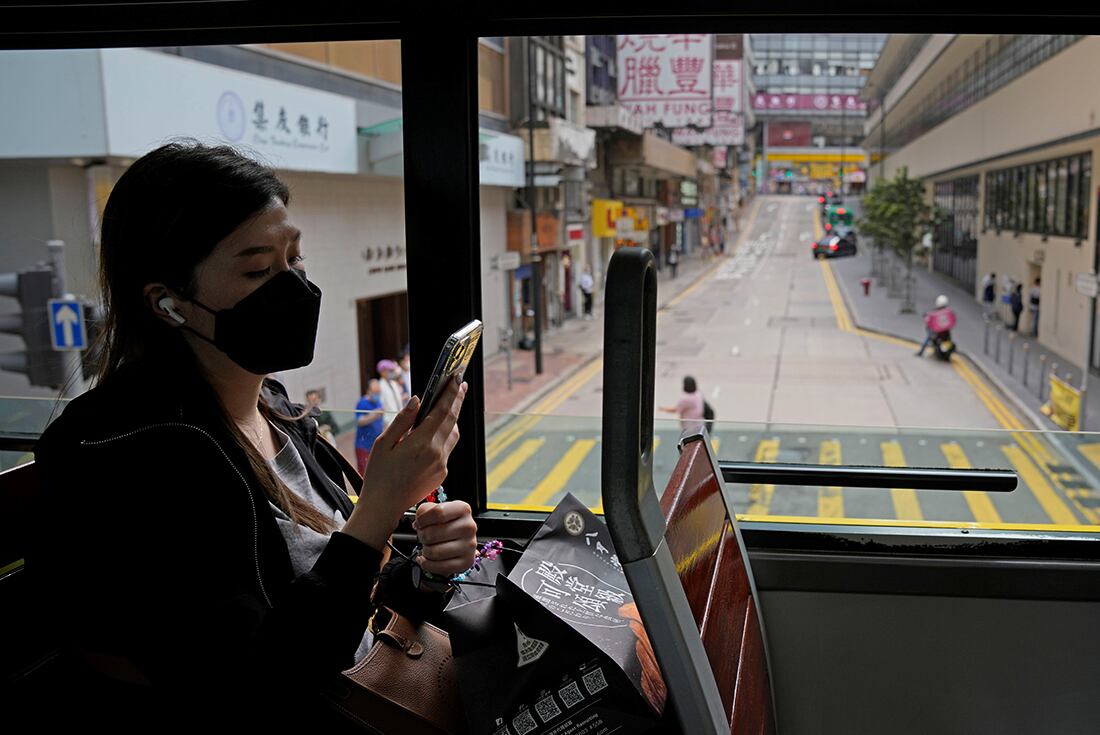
[(159, 547)]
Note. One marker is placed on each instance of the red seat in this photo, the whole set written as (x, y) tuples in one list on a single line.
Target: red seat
[(710, 562)]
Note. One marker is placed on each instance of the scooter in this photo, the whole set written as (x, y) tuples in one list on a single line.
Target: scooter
[(943, 345)]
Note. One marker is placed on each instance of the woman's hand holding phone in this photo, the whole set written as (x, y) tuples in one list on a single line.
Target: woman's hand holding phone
[(405, 465)]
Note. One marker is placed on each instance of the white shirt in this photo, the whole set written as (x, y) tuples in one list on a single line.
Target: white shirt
[(586, 282), (391, 400)]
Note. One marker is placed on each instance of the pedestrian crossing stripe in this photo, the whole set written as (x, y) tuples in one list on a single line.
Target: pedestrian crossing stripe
[(906, 505), (508, 466), (1052, 505), (830, 500), (555, 480), (760, 495), (981, 505)]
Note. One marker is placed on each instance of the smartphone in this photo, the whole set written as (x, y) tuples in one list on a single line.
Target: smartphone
[(452, 361)]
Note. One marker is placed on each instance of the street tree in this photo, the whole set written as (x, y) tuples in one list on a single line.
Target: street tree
[(896, 215)]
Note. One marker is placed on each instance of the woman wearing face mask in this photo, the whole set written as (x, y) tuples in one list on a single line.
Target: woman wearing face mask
[(200, 538)]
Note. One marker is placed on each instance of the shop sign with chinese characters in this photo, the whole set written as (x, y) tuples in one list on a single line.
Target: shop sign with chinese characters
[(820, 102), (665, 79), (150, 97)]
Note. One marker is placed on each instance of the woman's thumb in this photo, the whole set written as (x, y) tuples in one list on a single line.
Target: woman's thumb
[(404, 419)]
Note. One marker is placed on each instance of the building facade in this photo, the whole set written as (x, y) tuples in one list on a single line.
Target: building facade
[(1003, 129), (807, 98)]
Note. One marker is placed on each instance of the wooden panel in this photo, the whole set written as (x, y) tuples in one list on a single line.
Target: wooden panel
[(695, 522), (713, 573), (724, 624), (752, 700), (490, 81), (313, 51), (375, 59)]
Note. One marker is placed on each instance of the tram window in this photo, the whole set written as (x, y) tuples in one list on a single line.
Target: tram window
[(711, 151), (326, 116)]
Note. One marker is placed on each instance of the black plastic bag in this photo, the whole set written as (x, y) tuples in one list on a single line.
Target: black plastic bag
[(559, 649)]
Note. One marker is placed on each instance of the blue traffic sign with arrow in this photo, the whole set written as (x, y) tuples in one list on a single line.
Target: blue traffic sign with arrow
[(67, 324)]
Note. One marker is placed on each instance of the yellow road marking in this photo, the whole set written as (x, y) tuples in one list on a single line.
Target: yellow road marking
[(1036, 448), (1052, 505), (1039, 451), (715, 442), (1091, 452), (557, 477), (981, 505), (830, 500), (508, 466), (891, 523), (524, 423), (500, 442), (760, 496), (906, 505), (818, 231)]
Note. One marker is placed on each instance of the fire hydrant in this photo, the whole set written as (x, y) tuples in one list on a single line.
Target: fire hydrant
[(866, 283)]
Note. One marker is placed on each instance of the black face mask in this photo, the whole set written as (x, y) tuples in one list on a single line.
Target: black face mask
[(271, 329)]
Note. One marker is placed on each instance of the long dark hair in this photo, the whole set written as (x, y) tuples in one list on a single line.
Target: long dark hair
[(165, 215)]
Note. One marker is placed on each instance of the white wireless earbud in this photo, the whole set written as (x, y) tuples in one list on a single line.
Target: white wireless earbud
[(169, 307)]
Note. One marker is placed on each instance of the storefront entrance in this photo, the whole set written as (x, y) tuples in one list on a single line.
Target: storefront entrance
[(383, 326)]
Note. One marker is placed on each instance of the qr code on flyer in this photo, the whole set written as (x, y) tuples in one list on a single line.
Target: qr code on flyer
[(524, 722), (594, 681), (547, 709), (571, 694)]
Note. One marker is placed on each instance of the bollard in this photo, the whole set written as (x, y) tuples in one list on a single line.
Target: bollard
[(1042, 375), (1026, 348), (997, 348), (1053, 372), (985, 341), (1011, 351), (866, 283)]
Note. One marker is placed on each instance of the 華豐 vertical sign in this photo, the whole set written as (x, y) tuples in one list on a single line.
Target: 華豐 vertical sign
[(152, 97), (727, 125), (665, 78)]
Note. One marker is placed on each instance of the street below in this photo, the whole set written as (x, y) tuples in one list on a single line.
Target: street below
[(767, 335)]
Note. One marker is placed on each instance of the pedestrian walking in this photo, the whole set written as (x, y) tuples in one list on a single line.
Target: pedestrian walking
[(587, 284), (368, 423), (691, 408), (392, 392), (673, 260), (989, 295), (1016, 304), (1033, 307)]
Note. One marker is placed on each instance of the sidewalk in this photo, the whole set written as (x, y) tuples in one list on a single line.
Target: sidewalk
[(880, 313), (568, 348)]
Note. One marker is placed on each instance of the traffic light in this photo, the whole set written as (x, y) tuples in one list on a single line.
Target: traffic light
[(42, 364)]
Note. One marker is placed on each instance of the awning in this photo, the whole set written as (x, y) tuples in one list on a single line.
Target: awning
[(651, 152)]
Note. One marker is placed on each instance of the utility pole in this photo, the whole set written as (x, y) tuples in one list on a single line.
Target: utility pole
[(536, 259)]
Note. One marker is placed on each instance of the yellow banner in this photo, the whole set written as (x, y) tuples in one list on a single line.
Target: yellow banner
[(605, 214), (1065, 404)]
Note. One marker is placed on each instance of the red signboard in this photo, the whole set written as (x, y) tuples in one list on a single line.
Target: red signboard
[(788, 134), (818, 102)]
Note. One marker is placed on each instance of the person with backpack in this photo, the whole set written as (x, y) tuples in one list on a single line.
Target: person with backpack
[(937, 323), (692, 408)]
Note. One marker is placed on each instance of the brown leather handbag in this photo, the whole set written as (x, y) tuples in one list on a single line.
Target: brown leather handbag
[(406, 684)]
